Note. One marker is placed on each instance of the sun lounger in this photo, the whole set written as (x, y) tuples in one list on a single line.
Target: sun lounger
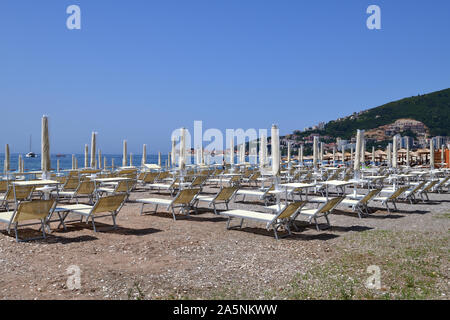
[(26, 211), (184, 200), (322, 211), (273, 221), (223, 196), (108, 206)]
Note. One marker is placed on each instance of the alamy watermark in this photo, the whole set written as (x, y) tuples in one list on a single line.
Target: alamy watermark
[(374, 281), (74, 280)]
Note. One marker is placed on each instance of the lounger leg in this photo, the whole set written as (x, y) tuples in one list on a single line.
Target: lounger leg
[(275, 233), (93, 223), (395, 206), (317, 225), (173, 214), (43, 228), (15, 230), (214, 206), (142, 209), (113, 215), (328, 220)]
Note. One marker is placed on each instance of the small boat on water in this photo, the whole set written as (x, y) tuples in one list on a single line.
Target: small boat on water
[(60, 155), (30, 154)]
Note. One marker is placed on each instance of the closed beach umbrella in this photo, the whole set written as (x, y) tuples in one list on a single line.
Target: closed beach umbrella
[(19, 164), (261, 152), (7, 159), (351, 155), (289, 152), (431, 154), (243, 153), (315, 151), (93, 150), (104, 163), (343, 153), (45, 147), (131, 159), (363, 148), (144, 154), (275, 140), (394, 152), (301, 154), (86, 156), (357, 162), (99, 158), (124, 154), (407, 153), (442, 154), (373, 154), (112, 164), (173, 154), (76, 163), (232, 150), (321, 152), (334, 154), (159, 158), (73, 162), (168, 160), (389, 155), (182, 160)]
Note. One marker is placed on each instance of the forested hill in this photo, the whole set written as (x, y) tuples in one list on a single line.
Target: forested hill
[(433, 109)]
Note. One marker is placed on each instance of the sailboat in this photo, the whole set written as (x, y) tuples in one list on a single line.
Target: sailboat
[(30, 154)]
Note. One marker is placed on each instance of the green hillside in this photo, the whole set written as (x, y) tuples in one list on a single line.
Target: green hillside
[(433, 109)]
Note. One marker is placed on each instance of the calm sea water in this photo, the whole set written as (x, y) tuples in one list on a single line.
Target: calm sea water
[(31, 164)]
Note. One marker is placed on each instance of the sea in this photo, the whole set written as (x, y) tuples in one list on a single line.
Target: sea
[(65, 162)]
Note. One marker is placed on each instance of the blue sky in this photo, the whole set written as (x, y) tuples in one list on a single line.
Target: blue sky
[(139, 69)]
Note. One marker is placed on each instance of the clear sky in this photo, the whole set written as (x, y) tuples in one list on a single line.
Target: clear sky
[(138, 69)]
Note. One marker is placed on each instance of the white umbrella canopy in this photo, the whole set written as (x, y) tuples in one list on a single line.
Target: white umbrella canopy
[(45, 147), (173, 153), (363, 148), (19, 164), (275, 141), (124, 154), (232, 150), (144, 154), (431, 154), (73, 162), (407, 153), (300, 155), (357, 163), (99, 159), (7, 159), (289, 152), (389, 155), (315, 151), (242, 154), (394, 152), (263, 151), (182, 159), (93, 150), (86, 156)]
